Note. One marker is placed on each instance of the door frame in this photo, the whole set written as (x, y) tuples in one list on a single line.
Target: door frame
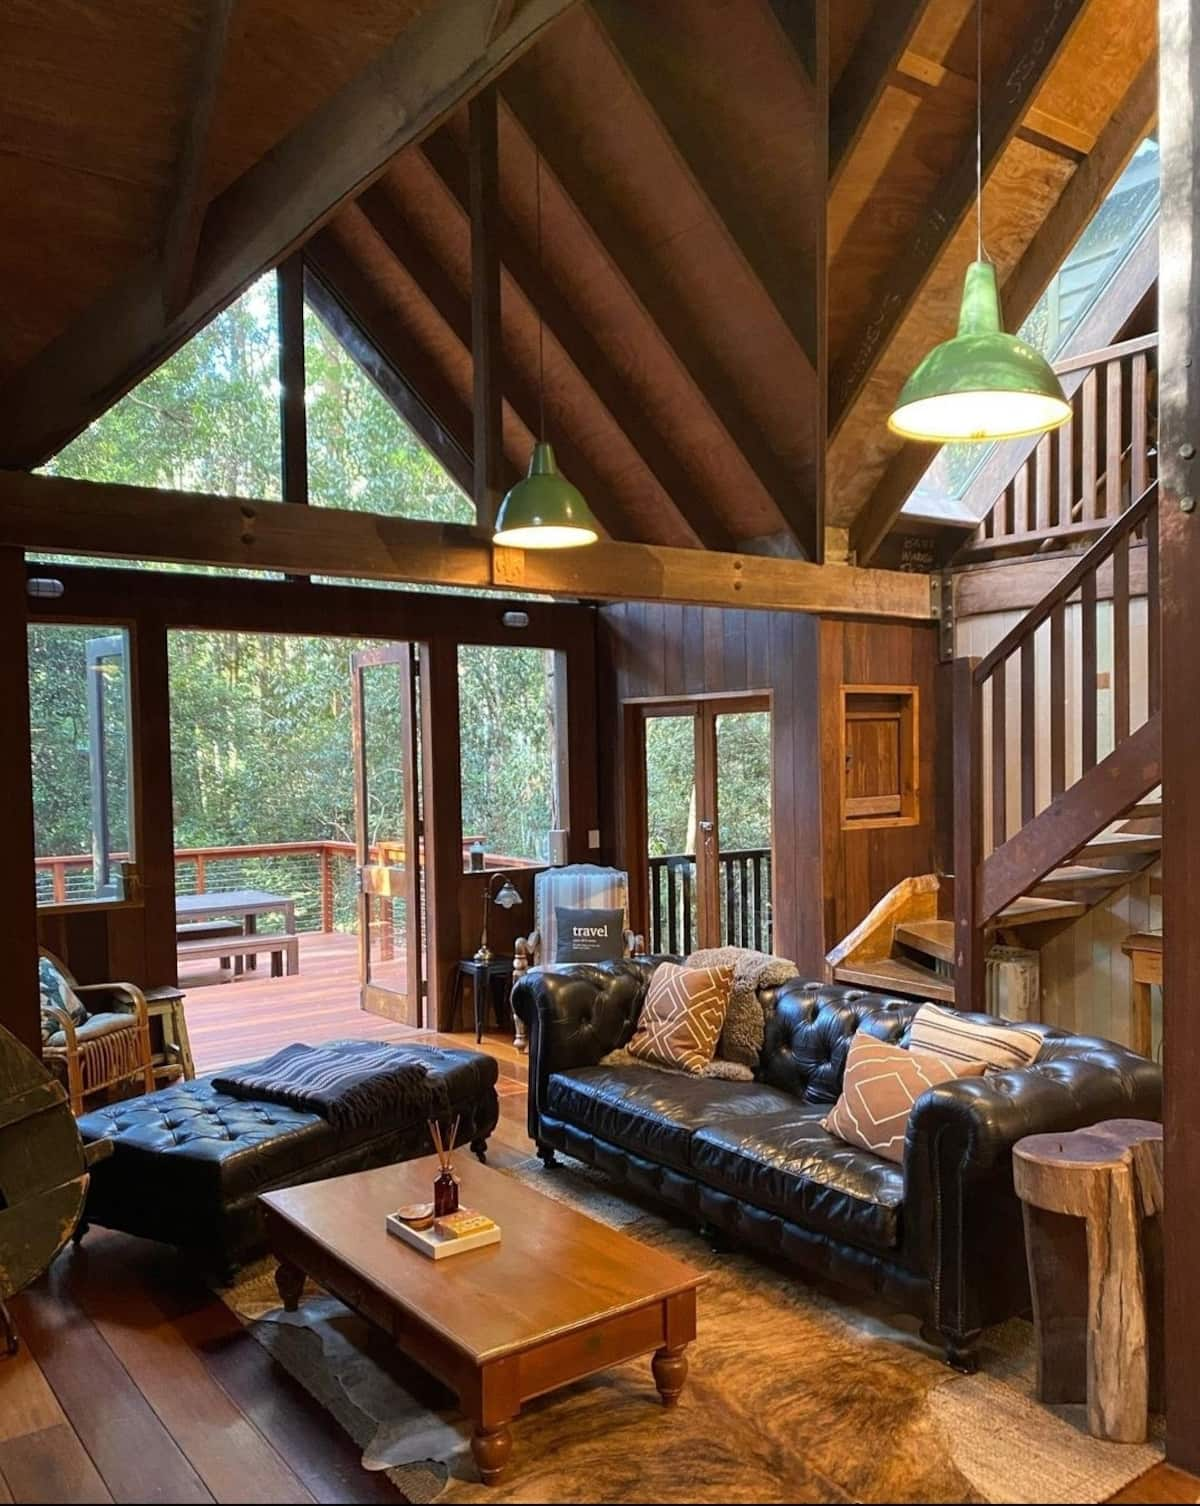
[(704, 709), (386, 880)]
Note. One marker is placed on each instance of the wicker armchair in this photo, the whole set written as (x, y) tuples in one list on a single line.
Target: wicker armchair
[(108, 1046)]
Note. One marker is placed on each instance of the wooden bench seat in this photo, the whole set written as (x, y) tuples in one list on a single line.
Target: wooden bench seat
[(280, 945)]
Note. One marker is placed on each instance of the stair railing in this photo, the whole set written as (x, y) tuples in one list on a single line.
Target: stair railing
[(1073, 686), (1072, 483)]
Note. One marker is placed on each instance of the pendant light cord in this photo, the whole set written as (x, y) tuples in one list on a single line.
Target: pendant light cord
[(541, 321), (978, 130)]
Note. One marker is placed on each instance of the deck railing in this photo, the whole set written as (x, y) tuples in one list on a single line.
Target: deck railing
[(744, 887), (319, 877), (1071, 484)]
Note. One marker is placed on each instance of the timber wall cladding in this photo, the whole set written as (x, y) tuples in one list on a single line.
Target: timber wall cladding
[(825, 880), (1086, 980)]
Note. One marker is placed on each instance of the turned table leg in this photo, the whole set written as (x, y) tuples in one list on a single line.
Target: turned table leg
[(289, 1283), (670, 1368), (492, 1449)]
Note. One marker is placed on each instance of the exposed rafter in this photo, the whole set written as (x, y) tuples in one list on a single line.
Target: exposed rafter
[(659, 302), (1006, 103), (866, 75), (439, 60), (454, 308), (185, 218), (584, 352), (487, 336), (446, 447), (1085, 191), (55, 513)]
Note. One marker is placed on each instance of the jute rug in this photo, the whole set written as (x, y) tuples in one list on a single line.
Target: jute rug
[(793, 1395)]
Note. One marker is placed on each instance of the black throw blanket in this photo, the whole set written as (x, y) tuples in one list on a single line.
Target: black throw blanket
[(352, 1084)]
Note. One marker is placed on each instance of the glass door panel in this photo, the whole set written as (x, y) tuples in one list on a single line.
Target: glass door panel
[(671, 829), (387, 830), (743, 803)]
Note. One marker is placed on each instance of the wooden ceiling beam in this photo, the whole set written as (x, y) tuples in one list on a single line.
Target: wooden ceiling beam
[(656, 298), (1128, 126), (438, 61), (1006, 103), (181, 238), (866, 75), (61, 515), (583, 351), (447, 443), (454, 309), (487, 335)]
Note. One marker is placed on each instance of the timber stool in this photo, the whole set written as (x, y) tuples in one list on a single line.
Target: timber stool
[(1092, 1200)]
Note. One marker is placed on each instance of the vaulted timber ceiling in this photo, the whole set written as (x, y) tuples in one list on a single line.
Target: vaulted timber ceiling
[(684, 206)]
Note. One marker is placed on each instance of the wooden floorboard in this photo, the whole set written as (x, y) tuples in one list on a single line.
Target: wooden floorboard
[(1161, 1485), (50, 1466)]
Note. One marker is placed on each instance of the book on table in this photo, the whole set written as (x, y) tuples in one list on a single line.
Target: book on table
[(453, 1235)]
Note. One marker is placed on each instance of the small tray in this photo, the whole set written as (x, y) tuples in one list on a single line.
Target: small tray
[(435, 1245)]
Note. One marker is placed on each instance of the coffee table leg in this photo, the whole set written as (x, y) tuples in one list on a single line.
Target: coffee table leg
[(492, 1449), (289, 1283), (670, 1369)]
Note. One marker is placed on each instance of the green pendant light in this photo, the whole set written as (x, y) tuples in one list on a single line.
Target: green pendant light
[(544, 511), (983, 384)]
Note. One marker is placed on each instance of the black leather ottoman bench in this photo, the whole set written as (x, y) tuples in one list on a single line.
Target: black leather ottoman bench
[(189, 1162)]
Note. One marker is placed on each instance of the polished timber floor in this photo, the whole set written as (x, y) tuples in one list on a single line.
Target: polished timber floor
[(133, 1383)]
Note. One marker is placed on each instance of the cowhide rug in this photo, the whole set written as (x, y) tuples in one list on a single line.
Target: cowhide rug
[(793, 1395)]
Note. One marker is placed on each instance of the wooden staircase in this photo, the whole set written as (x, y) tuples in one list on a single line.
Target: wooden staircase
[(1049, 821)]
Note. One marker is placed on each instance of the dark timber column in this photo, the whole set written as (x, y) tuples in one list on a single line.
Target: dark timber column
[(293, 418), (1179, 545), (486, 333), (18, 904)]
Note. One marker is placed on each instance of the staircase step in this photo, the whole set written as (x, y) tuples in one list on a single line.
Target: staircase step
[(935, 938), (1145, 810), (894, 975), (1119, 844), (1032, 910), (1076, 876)]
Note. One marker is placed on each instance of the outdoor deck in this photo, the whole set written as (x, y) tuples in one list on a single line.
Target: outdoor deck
[(231, 1022)]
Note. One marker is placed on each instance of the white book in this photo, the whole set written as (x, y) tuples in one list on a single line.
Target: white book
[(438, 1246)]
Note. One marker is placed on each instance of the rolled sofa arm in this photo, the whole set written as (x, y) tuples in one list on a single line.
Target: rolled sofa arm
[(961, 1213), (575, 1014)]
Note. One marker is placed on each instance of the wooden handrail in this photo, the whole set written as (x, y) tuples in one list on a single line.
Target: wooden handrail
[(1132, 518), (1107, 353)]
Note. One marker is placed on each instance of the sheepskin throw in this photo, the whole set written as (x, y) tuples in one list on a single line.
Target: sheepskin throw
[(745, 1026)]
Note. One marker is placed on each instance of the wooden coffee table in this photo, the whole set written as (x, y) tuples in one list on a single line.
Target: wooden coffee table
[(560, 1297)]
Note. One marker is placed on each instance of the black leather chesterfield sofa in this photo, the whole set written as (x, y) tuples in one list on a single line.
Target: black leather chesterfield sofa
[(939, 1237), (188, 1162)]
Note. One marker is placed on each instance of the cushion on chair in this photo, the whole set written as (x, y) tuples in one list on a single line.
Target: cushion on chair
[(589, 935), (56, 993), (93, 1027)]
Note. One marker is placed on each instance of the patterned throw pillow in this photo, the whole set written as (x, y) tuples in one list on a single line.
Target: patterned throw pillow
[(57, 993), (682, 1017), (953, 1037), (881, 1084)]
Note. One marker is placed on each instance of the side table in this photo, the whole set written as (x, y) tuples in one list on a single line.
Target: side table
[(1092, 1200), (1145, 952), (483, 975), (165, 1004)]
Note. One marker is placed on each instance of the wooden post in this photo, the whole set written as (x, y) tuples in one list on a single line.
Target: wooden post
[(443, 869), (289, 277), (326, 888), (486, 333), (969, 947), (18, 893), (1179, 570)]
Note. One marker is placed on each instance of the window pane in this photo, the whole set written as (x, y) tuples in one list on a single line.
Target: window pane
[(79, 706), (362, 456), (508, 733), (207, 420)]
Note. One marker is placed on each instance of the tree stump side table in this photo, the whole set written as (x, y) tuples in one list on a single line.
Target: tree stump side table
[(1091, 1200)]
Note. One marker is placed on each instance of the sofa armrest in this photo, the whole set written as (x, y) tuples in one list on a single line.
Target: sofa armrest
[(961, 1211), (574, 1015)]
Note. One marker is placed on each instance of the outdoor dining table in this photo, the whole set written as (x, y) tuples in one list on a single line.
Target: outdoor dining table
[(247, 903)]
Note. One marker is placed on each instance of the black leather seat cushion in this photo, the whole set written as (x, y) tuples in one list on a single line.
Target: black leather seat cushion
[(786, 1163), (651, 1112)]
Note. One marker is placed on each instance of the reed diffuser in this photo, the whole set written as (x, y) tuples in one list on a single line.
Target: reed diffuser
[(445, 1186)]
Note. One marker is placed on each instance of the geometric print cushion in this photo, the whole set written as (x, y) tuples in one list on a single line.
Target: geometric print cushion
[(682, 1017), (57, 993), (882, 1082), (950, 1035)]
